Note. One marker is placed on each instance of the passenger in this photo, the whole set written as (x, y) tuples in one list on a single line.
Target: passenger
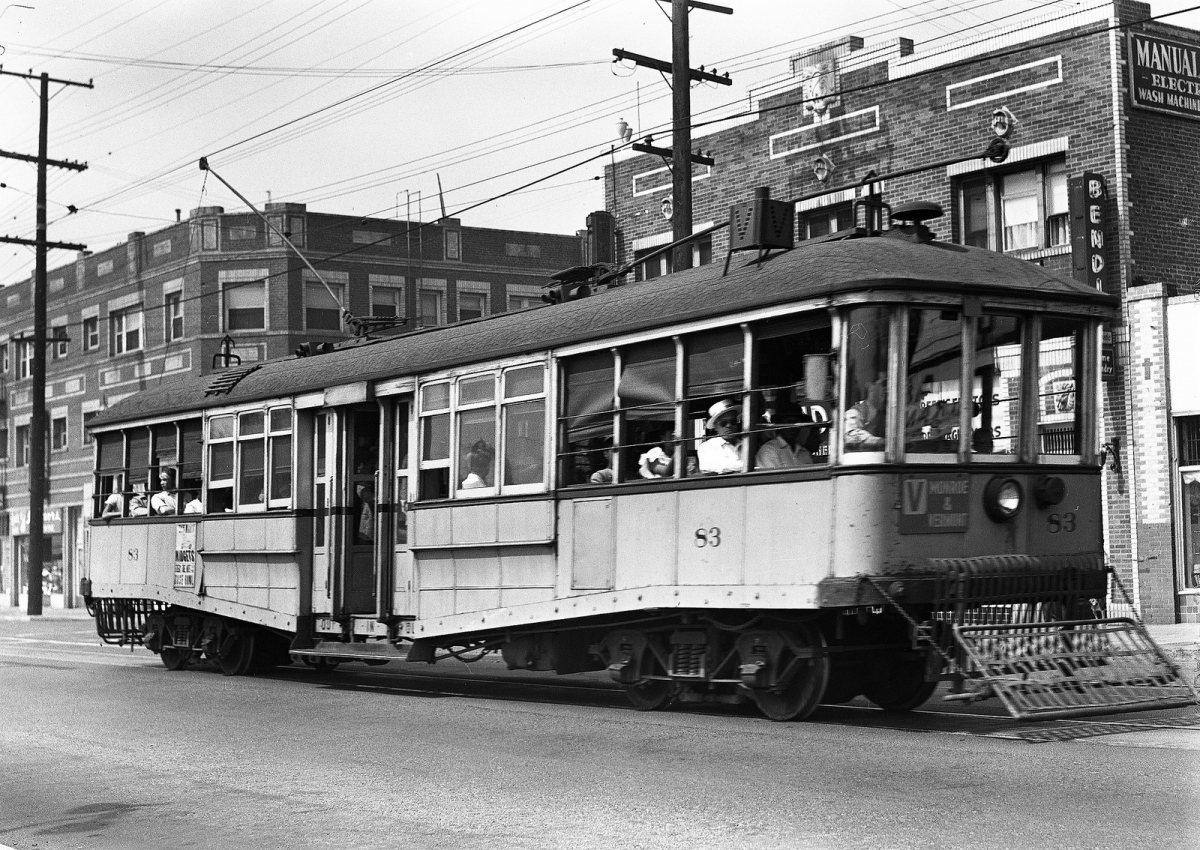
[(602, 476), (858, 439), (365, 533), (114, 506), (655, 463), (192, 503), (727, 450), (785, 449), (137, 505), (163, 502), (479, 466)]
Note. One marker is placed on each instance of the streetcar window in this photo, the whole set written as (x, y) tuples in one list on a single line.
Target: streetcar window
[(110, 474), (793, 398), (220, 464), (191, 455), (493, 426), (865, 418), (933, 382), (1060, 359), (587, 421), (524, 412), (435, 441), (252, 485), (996, 394), (141, 469), (279, 451), (715, 367), (647, 402)]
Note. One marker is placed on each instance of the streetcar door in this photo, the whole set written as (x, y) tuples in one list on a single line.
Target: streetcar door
[(397, 582), (323, 452), (357, 518)]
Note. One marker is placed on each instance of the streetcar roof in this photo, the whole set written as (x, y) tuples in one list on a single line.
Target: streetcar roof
[(814, 270)]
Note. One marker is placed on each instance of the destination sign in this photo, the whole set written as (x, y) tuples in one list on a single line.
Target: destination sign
[(934, 504), (1164, 75)]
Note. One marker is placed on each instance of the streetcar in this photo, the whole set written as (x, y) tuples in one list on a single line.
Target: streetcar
[(859, 466)]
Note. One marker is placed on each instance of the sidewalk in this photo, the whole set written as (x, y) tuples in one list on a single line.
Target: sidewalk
[(8, 612)]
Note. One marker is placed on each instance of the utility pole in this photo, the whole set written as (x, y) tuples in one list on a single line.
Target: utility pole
[(681, 120), (38, 485)]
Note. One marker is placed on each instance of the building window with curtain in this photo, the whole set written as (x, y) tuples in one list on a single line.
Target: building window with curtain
[(1024, 210), (244, 296)]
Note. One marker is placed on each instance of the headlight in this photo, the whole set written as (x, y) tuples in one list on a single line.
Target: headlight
[(1002, 498), (1049, 490)]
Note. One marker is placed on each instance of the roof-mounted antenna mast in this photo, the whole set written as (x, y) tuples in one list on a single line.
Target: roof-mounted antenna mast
[(347, 316)]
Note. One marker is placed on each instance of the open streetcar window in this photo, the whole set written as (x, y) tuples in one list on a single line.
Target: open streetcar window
[(587, 421), (793, 398), (647, 403)]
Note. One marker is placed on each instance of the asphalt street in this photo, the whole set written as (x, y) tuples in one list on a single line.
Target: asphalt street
[(104, 748)]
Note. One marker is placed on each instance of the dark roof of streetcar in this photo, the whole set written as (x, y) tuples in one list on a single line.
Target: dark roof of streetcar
[(813, 270)]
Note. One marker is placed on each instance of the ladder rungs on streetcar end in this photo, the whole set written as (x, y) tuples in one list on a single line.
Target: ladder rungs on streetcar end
[(1073, 668)]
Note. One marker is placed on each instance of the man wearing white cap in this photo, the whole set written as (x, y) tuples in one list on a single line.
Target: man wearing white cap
[(725, 452)]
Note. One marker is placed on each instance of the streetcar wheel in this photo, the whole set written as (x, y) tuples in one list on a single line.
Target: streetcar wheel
[(237, 656), (650, 695), (900, 686), (174, 658), (802, 680)]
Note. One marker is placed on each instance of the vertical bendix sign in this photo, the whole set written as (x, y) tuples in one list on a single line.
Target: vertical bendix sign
[(1087, 193), (1164, 75)]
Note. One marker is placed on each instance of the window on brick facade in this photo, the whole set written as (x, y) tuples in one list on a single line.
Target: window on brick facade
[(664, 263), (4, 359), (22, 447), (822, 222), (1020, 210), (3, 441), (173, 315), (58, 434), (91, 333), (58, 349), (322, 310), (387, 302), (125, 330), (245, 305), (24, 359), (86, 436), (208, 235)]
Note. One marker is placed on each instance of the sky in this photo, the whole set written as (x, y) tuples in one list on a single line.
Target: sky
[(505, 111)]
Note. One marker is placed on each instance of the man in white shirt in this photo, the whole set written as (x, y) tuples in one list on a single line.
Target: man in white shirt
[(726, 452)]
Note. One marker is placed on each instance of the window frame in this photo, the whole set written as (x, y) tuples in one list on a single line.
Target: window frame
[(1053, 227), (500, 407), (173, 315), (90, 332), (121, 329)]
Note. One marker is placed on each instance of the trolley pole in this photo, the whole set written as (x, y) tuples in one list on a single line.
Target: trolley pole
[(38, 485)]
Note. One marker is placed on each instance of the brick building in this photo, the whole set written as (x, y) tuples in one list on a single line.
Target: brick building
[(166, 302), (1103, 108)]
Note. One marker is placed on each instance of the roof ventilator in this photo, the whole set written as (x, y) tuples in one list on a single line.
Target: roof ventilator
[(908, 221)]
